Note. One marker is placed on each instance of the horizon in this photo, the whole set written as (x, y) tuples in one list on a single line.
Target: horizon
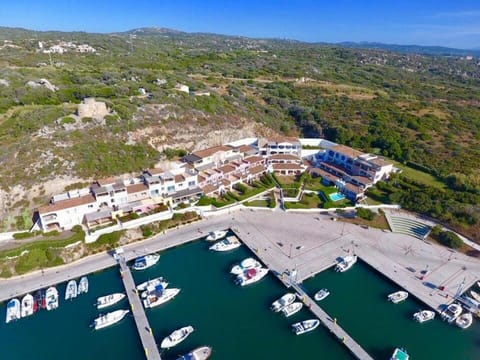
[(429, 23)]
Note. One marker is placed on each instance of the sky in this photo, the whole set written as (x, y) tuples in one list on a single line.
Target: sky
[(453, 23)]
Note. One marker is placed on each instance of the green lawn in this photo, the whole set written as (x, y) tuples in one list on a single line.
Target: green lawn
[(258, 203), (419, 176), (308, 201)]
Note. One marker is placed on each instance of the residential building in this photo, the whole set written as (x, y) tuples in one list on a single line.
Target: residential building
[(282, 145)]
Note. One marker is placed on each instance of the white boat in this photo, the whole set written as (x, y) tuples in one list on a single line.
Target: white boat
[(251, 276), (305, 326), (230, 243), (82, 285), (248, 263), (216, 235), (28, 305), (109, 319), (200, 353), (464, 321), (71, 290), (154, 282), (109, 300), (398, 296), (13, 310), (285, 300), (346, 263), (400, 354), (144, 262), (451, 312), (176, 337), (321, 294), (291, 309), (424, 315), (153, 300), (51, 298), (478, 284), (154, 289), (475, 295)]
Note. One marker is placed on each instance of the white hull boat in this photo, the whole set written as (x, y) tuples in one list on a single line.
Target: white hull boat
[(251, 276), (154, 282), (83, 286), (346, 263), (176, 337), (451, 313), (144, 262), (71, 290), (200, 353), (475, 295), (248, 263), (291, 309), (216, 235), (322, 294), (152, 289), (398, 296), (464, 321), (51, 298), (109, 319), (109, 300), (424, 315), (13, 310), (285, 300), (154, 300), (305, 326), (400, 354), (28, 305), (230, 243)]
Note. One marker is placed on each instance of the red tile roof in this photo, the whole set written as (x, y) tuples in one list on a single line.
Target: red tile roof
[(346, 150), (65, 204), (284, 157), (210, 151), (254, 159), (286, 167), (131, 189)]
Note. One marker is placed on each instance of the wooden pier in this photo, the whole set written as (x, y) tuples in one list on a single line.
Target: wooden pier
[(143, 327)]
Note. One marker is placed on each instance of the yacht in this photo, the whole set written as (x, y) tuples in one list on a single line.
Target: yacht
[(71, 290), (156, 299), (451, 312), (109, 319), (13, 310), (144, 262), (285, 300), (398, 296), (464, 321), (251, 276), (321, 294), (51, 298), (291, 309), (424, 315), (305, 326), (28, 305), (216, 235), (176, 337), (152, 283), (82, 285), (200, 353), (248, 263), (109, 300), (475, 295), (230, 243), (154, 289), (400, 354), (346, 263)]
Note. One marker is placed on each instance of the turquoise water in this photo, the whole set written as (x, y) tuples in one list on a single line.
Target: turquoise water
[(336, 196)]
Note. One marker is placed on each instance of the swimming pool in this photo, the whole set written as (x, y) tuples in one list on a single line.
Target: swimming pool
[(336, 196)]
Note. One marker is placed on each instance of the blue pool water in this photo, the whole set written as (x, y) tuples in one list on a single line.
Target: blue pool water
[(336, 196)]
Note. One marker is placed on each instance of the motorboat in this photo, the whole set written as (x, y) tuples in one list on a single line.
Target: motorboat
[(154, 289), (464, 321), (154, 282), (146, 261), (109, 319), (285, 300), (13, 310), (400, 354), (71, 290), (230, 243), (39, 298), (216, 235), (398, 296), (200, 353), (82, 285), (251, 276), (424, 315), (109, 300), (176, 337), (291, 309), (475, 295), (451, 312), (51, 298), (248, 263), (346, 263), (321, 294), (305, 326), (28, 305), (155, 299)]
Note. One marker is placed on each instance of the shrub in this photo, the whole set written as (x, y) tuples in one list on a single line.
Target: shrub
[(450, 239), (67, 120), (77, 229), (365, 213), (146, 231), (109, 240), (52, 233), (23, 235)]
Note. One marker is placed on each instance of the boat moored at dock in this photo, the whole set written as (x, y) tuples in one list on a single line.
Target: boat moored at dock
[(82, 285), (451, 313), (28, 305), (230, 243), (216, 235), (71, 290), (109, 319), (251, 276), (464, 321), (285, 300), (200, 353), (248, 263), (144, 262), (424, 315), (398, 296), (176, 337), (155, 299), (321, 294), (305, 326), (109, 300), (152, 283), (13, 310), (292, 309), (51, 298), (346, 263)]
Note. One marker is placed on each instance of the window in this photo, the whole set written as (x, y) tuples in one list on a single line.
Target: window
[(191, 183)]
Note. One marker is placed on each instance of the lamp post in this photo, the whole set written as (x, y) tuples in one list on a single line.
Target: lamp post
[(290, 255)]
